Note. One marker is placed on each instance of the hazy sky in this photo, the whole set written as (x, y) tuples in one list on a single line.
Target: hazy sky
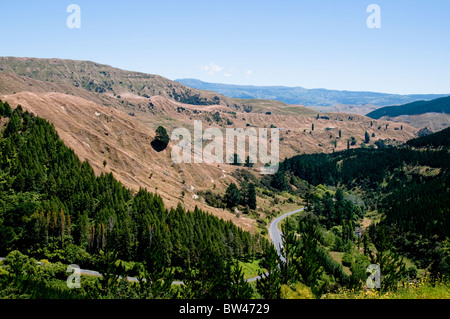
[(314, 44)]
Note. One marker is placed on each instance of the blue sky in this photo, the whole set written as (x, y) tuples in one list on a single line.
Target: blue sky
[(314, 44)]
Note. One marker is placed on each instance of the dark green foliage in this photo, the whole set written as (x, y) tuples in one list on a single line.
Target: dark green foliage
[(5, 109), (155, 278), (366, 138), (289, 265), (161, 140), (232, 196), (416, 205), (441, 105), (309, 263), (25, 280), (439, 139), (216, 117), (251, 196), (52, 205), (391, 264), (109, 282), (269, 285), (335, 211), (212, 199), (240, 288), (213, 277), (305, 260), (279, 181), (248, 163), (380, 144), (236, 160), (187, 97), (358, 269)]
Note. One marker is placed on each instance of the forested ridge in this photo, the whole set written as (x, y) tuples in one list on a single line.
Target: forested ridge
[(409, 186), (54, 208), (52, 204)]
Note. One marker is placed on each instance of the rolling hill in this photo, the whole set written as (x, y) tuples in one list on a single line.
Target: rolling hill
[(439, 139), (115, 122), (441, 105), (307, 97), (433, 115)]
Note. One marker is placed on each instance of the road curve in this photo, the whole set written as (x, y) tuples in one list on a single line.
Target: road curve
[(274, 233)]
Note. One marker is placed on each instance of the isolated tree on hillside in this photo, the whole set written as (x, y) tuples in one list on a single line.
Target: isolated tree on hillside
[(279, 181), (251, 196), (161, 139), (248, 163), (232, 196), (366, 138), (236, 160)]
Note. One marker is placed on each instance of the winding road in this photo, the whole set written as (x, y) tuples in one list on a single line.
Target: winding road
[(274, 233)]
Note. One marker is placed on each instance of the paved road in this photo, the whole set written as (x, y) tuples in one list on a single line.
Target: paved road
[(274, 233)]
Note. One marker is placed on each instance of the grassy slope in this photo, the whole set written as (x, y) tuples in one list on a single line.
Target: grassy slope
[(424, 289)]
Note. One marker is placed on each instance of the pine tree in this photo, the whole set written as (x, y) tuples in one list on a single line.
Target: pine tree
[(110, 271), (279, 181), (308, 266), (236, 160), (239, 287), (14, 124), (232, 196), (289, 263), (248, 163), (366, 138), (251, 196), (269, 284), (155, 279), (5, 109), (2, 109), (391, 264)]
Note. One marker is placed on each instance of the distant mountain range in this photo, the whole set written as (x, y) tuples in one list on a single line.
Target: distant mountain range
[(308, 97)]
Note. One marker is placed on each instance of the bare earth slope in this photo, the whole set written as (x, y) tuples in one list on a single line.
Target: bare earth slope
[(116, 122), (98, 133)]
